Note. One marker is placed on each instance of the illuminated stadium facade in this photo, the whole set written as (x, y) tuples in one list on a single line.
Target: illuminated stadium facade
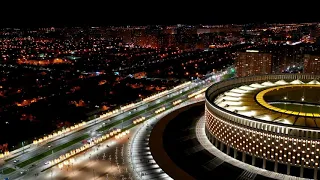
[(269, 121)]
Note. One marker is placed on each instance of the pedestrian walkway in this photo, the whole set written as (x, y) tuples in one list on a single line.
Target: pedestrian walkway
[(142, 161), (212, 164), (194, 149), (247, 175)]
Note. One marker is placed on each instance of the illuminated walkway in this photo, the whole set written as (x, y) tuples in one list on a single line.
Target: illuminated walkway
[(106, 161), (143, 163), (141, 160)]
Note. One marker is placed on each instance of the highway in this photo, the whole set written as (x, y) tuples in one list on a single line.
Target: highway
[(110, 160), (91, 130)]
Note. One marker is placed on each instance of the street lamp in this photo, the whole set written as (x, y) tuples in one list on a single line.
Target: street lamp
[(285, 104), (22, 143)]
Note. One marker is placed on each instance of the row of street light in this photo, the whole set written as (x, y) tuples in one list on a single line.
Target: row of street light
[(160, 110), (139, 120), (96, 141), (177, 102), (197, 93), (150, 98), (53, 135)]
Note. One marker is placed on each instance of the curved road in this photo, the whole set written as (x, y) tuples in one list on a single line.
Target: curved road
[(91, 130)]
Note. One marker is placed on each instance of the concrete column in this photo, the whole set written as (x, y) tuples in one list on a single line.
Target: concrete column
[(315, 173), (212, 139), (253, 161), (288, 169), (235, 153), (221, 146), (216, 144), (301, 171), (228, 150), (243, 157), (264, 164), (275, 166)]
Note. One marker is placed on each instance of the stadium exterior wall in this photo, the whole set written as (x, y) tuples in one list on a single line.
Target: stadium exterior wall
[(273, 146)]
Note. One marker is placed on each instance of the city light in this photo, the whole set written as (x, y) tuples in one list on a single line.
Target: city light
[(177, 102), (197, 93), (61, 132), (139, 120), (63, 158), (160, 110)]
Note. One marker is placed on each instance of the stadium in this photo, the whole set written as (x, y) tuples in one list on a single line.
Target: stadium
[(268, 121)]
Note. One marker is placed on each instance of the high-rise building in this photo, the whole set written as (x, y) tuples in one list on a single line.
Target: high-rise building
[(311, 64), (253, 62), (286, 56)]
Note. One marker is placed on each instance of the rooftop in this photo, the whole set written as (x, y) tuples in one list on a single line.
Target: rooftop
[(253, 100)]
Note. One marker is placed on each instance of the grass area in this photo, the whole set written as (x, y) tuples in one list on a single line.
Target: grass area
[(8, 171), (54, 150), (298, 108), (141, 112)]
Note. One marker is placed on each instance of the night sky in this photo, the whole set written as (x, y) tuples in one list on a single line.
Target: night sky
[(57, 13)]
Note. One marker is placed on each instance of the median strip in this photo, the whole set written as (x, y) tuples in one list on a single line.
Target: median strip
[(122, 130), (58, 148), (141, 112), (8, 171), (54, 150)]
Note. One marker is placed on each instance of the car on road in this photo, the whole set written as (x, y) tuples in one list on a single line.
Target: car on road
[(46, 163), (16, 161)]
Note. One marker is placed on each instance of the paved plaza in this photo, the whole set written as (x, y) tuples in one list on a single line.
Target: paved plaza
[(108, 161)]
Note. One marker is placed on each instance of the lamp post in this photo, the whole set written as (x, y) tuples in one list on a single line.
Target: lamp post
[(22, 144), (285, 104), (302, 99)]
